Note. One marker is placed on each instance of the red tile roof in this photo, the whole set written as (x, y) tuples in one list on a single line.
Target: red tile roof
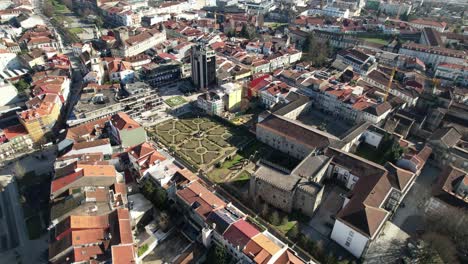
[(123, 254), (125, 228), (89, 222), (122, 121), (87, 253), (201, 199), (240, 233), (88, 236), (65, 181), (15, 131)]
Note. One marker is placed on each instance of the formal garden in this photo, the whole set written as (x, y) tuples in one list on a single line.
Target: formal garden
[(201, 141)]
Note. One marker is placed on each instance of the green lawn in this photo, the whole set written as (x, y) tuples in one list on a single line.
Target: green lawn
[(241, 180), (376, 40), (274, 25), (76, 30), (284, 228), (175, 101), (142, 249)]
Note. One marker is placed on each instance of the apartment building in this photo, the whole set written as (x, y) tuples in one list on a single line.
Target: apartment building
[(434, 55), (42, 114), (133, 43), (452, 74)]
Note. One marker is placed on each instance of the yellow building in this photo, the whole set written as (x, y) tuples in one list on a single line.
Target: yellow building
[(41, 116), (232, 97)]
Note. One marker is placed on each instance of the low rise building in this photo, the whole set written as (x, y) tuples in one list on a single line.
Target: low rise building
[(102, 100), (299, 140), (131, 43), (361, 62), (452, 187), (300, 189), (433, 55), (161, 75), (375, 193), (42, 114), (14, 139), (449, 148), (351, 103), (450, 74), (422, 23), (211, 102)]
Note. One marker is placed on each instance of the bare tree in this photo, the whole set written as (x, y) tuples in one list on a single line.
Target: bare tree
[(48, 9), (68, 4), (19, 169), (443, 245), (164, 220), (450, 222)]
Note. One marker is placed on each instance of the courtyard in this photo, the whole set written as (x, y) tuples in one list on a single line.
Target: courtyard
[(201, 141)]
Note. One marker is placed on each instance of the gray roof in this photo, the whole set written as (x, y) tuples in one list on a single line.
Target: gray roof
[(309, 186), (311, 165), (299, 132), (276, 178), (447, 135), (355, 131), (296, 99)]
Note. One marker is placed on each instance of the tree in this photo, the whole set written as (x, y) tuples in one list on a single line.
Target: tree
[(48, 9), (315, 51), (156, 195), (274, 218), (99, 23), (159, 198), (244, 33), (164, 220), (68, 4), (404, 17), (449, 222), (218, 255), (265, 210), (230, 33), (442, 245), (21, 86), (284, 220), (425, 253), (19, 169)]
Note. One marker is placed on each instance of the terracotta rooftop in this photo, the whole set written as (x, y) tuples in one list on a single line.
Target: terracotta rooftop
[(15, 131), (87, 236), (123, 254), (202, 200), (91, 144), (98, 170), (240, 233), (125, 228), (124, 122), (87, 253), (288, 258), (89, 222)]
